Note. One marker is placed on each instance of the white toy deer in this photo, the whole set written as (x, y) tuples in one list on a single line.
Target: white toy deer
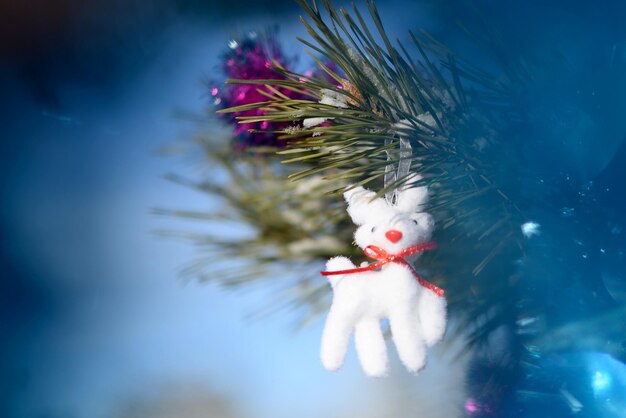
[(362, 297)]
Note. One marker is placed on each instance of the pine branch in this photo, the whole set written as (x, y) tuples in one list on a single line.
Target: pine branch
[(450, 112), (284, 229)]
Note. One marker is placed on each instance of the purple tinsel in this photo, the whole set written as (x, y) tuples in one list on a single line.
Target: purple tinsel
[(251, 58)]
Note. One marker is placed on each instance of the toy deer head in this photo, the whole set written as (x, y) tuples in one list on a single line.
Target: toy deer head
[(390, 226)]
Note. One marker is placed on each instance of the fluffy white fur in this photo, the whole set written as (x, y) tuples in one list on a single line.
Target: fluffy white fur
[(417, 316)]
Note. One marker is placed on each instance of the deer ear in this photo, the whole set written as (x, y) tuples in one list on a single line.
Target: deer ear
[(363, 207), (411, 198)]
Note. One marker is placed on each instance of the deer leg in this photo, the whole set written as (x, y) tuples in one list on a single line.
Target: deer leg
[(407, 336), (431, 311), (339, 326), (371, 347)]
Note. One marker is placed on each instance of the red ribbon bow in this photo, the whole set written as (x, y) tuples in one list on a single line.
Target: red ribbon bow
[(384, 257)]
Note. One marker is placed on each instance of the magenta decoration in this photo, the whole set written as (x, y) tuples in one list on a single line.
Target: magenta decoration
[(251, 58)]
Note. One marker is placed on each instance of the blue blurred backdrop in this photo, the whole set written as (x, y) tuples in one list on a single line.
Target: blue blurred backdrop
[(94, 321)]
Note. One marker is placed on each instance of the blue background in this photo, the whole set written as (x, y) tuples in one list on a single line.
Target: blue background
[(94, 319)]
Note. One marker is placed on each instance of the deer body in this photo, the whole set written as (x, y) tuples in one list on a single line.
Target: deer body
[(417, 315)]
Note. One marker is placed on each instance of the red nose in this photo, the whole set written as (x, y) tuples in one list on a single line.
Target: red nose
[(393, 235)]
